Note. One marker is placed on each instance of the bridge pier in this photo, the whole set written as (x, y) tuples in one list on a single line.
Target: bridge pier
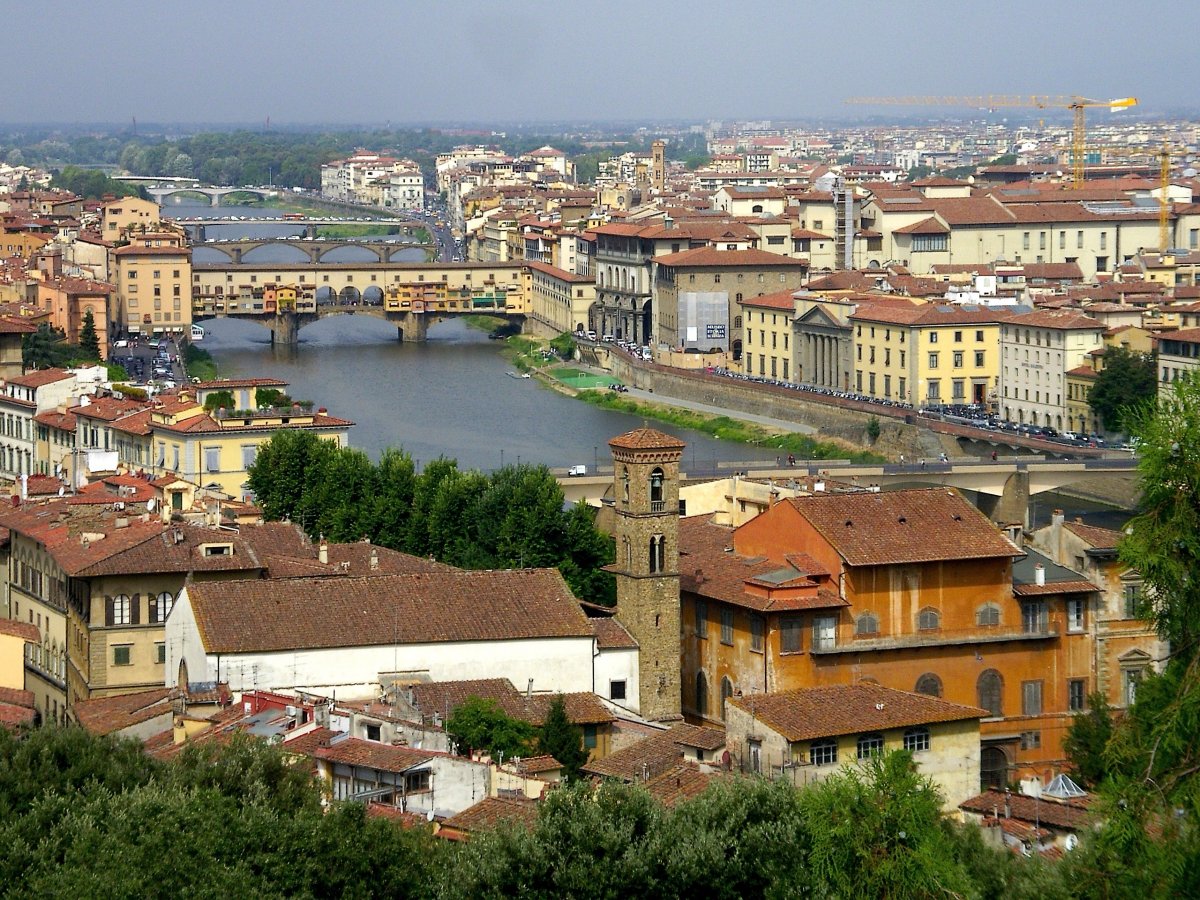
[(216, 200), (310, 231), (236, 253), (412, 328), (285, 329), (1013, 505), (314, 254)]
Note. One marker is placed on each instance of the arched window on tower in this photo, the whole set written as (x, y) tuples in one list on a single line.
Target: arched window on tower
[(990, 687), (625, 480), (701, 694), (657, 503), (657, 543), (726, 693)]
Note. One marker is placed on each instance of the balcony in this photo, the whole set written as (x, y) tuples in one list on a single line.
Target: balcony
[(657, 506), (938, 637)]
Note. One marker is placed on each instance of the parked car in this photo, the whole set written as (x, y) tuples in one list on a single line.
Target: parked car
[(577, 471)]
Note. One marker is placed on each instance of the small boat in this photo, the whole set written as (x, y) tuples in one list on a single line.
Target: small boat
[(526, 375)]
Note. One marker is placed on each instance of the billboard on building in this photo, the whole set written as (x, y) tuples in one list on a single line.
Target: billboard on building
[(704, 320)]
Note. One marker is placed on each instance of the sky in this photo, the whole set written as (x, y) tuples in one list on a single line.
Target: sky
[(359, 62)]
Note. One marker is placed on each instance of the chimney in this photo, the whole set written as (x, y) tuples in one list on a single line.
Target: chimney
[(374, 560), (323, 552), (1007, 803), (1039, 575)]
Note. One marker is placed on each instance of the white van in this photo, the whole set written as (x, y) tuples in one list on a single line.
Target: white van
[(576, 471)]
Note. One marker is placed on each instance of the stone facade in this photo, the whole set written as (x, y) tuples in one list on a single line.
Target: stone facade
[(646, 492)]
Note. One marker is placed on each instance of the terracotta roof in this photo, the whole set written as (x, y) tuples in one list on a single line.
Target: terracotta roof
[(678, 783), (890, 527), (536, 765), (810, 713), (1066, 320), (354, 751), (1079, 586), (611, 634), (493, 811), (443, 697), (105, 715), (646, 439), (929, 314), (40, 377), (348, 611), (16, 696), (1183, 336), (1068, 815), (655, 754), (709, 257), (62, 421), (14, 714), (782, 300), (377, 810), (225, 383), (925, 226), (10, 325), (1099, 538), (27, 631), (555, 272)]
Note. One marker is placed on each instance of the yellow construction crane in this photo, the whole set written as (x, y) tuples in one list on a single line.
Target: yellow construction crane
[(1034, 101)]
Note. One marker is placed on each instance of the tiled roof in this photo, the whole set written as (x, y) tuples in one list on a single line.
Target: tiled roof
[(1183, 336), (1066, 320), (40, 377), (16, 696), (348, 611), (62, 421), (25, 630), (929, 314), (611, 634), (646, 439), (443, 697), (175, 549), (811, 713), (222, 384), (678, 783), (1099, 538), (708, 257), (13, 714), (890, 527), (656, 753), (354, 751), (782, 300), (104, 715), (925, 226), (1071, 816), (536, 765), (492, 811)]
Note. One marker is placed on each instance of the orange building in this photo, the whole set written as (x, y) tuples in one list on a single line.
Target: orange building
[(68, 300), (913, 590)]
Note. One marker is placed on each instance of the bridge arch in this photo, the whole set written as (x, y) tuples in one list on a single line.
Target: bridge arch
[(372, 295), (326, 296), (349, 296), (294, 250)]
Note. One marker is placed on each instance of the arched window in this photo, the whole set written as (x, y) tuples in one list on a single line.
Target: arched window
[(823, 752), (928, 618), (929, 684), (867, 623), (121, 609), (656, 490), (870, 745), (625, 480), (916, 739), (726, 693), (737, 321), (987, 615), (701, 694), (993, 769), (657, 543), (990, 688), (160, 606)]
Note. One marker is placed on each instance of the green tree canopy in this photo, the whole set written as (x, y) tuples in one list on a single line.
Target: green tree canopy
[(1128, 379), (481, 725), (562, 739), (89, 341)]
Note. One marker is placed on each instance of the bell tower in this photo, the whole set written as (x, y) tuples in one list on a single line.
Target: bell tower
[(646, 492)]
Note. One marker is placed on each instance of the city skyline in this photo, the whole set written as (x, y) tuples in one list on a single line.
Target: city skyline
[(380, 63)]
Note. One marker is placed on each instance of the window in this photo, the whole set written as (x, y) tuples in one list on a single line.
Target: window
[(929, 684), (701, 695), (121, 610), (726, 693), (1076, 695), (701, 619), (958, 359), (987, 615), (870, 745), (616, 690), (1033, 617), (756, 634), (754, 752), (824, 632), (929, 619), (657, 543), (371, 731), (1031, 698), (932, 337), (867, 623), (1031, 740), (1075, 613), (990, 690), (212, 459), (916, 739), (1133, 601), (933, 360), (823, 752), (249, 453), (160, 653), (929, 243), (1130, 679), (160, 606), (727, 626), (979, 358), (790, 629), (121, 654)]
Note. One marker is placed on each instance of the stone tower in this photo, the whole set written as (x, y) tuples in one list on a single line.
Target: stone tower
[(646, 483), (658, 165)]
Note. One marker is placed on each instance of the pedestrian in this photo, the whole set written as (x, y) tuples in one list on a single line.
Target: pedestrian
[(993, 456), (922, 465), (901, 459)]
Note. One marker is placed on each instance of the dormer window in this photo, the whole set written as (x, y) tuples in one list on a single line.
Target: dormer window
[(207, 550)]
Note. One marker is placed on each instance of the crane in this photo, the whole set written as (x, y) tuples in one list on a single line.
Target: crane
[(1076, 104)]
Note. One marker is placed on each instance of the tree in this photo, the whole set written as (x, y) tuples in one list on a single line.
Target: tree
[(481, 725), (873, 429), (1087, 740), (89, 341), (1127, 380), (562, 739), (265, 397), (219, 400)]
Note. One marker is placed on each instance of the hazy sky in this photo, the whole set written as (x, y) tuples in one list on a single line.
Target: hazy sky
[(515, 61)]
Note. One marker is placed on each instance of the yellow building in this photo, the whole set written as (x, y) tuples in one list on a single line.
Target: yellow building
[(559, 300), (153, 275), (127, 215), (927, 354), (765, 323)]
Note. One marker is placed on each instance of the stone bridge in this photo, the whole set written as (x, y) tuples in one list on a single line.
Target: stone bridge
[(159, 192), (314, 248)]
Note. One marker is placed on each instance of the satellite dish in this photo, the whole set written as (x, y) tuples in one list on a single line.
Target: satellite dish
[(150, 504), (1071, 842)]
